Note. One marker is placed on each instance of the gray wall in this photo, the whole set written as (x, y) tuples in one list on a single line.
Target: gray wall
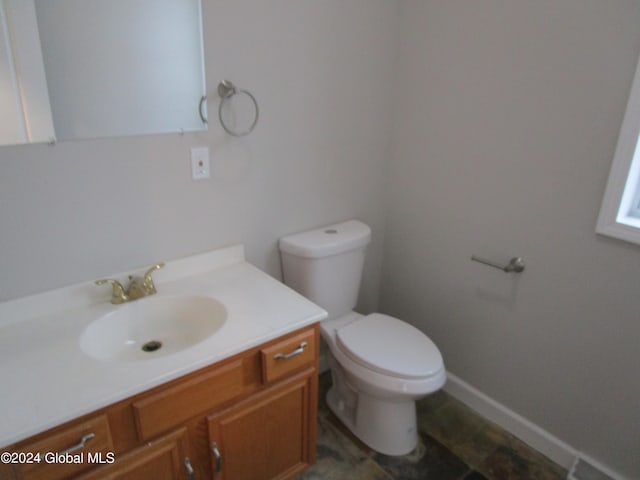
[(506, 119), (80, 210), (505, 130)]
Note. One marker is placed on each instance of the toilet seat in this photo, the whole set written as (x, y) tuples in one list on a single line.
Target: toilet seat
[(390, 346)]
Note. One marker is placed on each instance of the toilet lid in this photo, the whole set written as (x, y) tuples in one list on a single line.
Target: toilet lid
[(390, 346)]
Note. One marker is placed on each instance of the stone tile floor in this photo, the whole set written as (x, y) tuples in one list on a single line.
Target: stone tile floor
[(455, 444)]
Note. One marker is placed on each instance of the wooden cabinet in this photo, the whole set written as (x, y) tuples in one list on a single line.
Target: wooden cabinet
[(172, 406), (162, 459), (266, 436), (284, 356), (63, 453), (258, 409)]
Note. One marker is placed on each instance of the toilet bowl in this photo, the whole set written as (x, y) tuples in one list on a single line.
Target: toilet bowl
[(380, 365)]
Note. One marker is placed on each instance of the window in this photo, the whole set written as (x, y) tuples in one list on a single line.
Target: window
[(620, 211)]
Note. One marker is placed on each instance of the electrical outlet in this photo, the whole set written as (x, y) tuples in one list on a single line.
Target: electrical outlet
[(200, 163)]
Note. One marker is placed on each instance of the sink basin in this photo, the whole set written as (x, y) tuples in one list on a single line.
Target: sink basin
[(151, 327)]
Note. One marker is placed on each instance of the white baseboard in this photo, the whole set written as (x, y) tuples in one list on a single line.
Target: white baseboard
[(530, 433), (538, 438), (601, 472)]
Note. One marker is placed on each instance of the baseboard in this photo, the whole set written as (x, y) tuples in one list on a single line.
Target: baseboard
[(585, 468), (538, 438), (530, 433)]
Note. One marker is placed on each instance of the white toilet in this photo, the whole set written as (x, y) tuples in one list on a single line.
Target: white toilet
[(379, 365)]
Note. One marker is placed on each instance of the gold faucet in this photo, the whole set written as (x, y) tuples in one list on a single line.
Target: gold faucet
[(138, 287)]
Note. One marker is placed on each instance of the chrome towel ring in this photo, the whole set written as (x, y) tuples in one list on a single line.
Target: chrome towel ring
[(226, 90)]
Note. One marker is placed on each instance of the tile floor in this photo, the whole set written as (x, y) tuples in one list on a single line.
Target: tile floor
[(455, 444)]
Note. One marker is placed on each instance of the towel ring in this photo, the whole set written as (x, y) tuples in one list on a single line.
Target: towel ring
[(226, 90)]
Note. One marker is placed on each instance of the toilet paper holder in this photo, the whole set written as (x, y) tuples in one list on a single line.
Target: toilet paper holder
[(515, 265)]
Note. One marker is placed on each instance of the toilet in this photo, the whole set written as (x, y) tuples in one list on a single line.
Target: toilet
[(379, 364)]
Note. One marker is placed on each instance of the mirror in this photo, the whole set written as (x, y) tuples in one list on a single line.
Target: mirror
[(112, 67), (25, 112)]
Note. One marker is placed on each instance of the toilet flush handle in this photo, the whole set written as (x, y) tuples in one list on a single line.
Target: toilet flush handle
[(297, 351)]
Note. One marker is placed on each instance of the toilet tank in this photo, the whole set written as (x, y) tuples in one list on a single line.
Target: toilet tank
[(325, 264)]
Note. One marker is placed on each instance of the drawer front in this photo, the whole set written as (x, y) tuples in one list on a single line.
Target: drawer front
[(66, 453), (162, 459), (175, 405), (286, 356)]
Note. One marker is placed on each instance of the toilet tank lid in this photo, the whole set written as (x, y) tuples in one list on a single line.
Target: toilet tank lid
[(327, 241)]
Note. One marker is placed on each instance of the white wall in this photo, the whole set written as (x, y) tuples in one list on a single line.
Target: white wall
[(80, 210), (506, 126), (507, 115)]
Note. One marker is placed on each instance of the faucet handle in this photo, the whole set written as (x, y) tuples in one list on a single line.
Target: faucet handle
[(118, 294), (147, 280)]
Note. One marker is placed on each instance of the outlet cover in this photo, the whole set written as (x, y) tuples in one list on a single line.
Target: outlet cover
[(200, 163)]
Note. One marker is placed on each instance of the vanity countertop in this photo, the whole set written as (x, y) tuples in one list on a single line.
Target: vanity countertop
[(46, 379)]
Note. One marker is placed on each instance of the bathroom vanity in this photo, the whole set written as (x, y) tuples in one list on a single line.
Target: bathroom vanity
[(239, 404)]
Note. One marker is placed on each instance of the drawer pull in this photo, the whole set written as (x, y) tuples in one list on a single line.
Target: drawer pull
[(79, 446), (216, 453), (190, 472), (297, 351)]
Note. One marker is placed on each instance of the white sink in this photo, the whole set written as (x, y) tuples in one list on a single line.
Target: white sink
[(151, 327)]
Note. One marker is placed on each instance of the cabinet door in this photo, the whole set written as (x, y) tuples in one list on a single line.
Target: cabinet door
[(162, 459), (271, 435)]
